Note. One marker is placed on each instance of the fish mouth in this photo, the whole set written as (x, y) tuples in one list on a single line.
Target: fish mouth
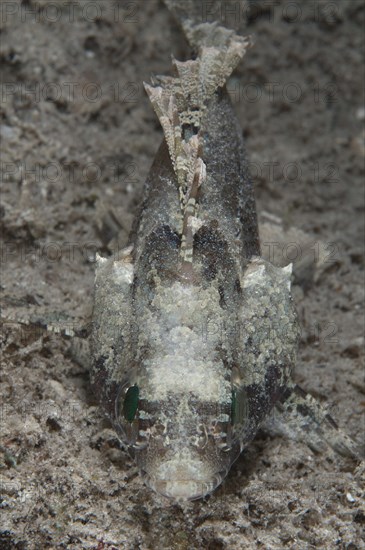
[(183, 480)]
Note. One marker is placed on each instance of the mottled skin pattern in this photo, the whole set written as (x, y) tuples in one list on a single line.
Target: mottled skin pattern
[(209, 361), (210, 342)]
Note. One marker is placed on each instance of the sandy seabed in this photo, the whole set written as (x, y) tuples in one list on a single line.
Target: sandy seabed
[(78, 136)]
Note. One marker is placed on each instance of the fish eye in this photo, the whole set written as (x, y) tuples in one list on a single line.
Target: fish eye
[(130, 403), (239, 406), (126, 413)]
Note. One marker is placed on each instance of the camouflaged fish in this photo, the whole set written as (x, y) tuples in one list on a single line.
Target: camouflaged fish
[(194, 334)]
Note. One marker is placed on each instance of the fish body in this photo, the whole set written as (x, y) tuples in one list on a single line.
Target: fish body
[(194, 334)]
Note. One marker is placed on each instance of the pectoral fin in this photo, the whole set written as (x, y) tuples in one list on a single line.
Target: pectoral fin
[(300, 417)]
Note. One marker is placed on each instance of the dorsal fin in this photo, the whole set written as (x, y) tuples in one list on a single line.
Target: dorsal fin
[(181, 102)]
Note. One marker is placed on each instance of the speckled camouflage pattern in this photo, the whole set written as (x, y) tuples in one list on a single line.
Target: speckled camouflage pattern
[(190, 313)]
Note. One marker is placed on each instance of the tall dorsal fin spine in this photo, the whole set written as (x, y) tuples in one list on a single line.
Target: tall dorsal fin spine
[(181, 102)]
